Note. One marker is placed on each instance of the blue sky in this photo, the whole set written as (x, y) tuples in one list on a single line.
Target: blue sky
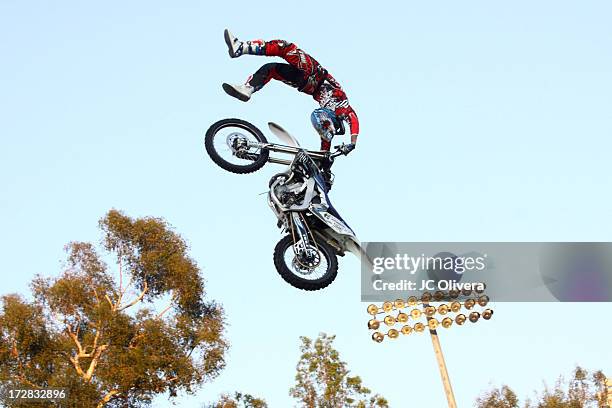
[(480, 121)]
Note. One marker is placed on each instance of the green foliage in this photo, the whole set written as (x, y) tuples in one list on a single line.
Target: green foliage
[(156, 258), (502, 397), (89, 330), (323, 380), (238, 400), (580, 391), (583, 390)]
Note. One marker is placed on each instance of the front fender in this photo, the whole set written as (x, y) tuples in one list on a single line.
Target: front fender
[(333, 222)]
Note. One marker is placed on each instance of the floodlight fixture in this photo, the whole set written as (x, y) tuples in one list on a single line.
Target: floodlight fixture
[(389, 320), (373, 324), (430, 311), (474, 316), (393, 334), (373, 310), (487, 314), (402, 317), (483, 300), (443, 309), (433, 323)]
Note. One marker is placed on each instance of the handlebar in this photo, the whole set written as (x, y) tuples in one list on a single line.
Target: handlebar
[(315, 154), (338, 151)]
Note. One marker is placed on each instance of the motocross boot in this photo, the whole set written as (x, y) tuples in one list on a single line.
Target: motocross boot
[(236, 48), (327, 174), (242, 92), (329, 180)]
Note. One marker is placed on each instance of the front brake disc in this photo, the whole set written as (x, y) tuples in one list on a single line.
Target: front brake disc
[(308, 261)]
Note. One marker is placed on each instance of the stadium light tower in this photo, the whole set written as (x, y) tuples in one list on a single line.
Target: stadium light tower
[(400, 311)]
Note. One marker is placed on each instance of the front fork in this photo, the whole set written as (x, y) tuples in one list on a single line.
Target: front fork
[(299, 230), (304, 245)]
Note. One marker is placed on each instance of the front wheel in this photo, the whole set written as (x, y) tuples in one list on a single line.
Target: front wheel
[(229, 144), (306, 274)]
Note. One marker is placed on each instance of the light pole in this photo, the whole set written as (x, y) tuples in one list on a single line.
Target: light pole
[(448, 389), (448, 303)]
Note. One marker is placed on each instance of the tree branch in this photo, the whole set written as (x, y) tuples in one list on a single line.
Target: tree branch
[(133, 302), (94, 362), (21, 375), (95, 354), (163, 312), (95, 291), (75, 362), (93, 347), (112, 305), (127, 286), (120, 277), (75, 339), (109, 395), (23, 379), (122, 289)]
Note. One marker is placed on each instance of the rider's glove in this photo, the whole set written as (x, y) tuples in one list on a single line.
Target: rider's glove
[(347, 148)]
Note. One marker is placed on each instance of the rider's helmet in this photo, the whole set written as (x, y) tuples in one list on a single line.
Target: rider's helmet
[(324, 121)]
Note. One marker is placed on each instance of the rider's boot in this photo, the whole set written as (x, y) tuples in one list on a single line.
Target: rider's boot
[(242, 92), (329, 181), (327, 174), (236, 48)]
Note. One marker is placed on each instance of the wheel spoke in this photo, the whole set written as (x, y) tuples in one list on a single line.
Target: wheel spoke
[(225, 151), (303, 272)]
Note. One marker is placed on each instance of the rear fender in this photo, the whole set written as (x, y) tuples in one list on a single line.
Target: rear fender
[(345, 243)]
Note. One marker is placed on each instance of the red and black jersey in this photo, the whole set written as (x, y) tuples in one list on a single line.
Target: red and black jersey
[(331, 96), (316, 81)]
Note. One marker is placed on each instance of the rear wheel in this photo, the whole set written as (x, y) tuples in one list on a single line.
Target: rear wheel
[(227, 144), (307, 273)]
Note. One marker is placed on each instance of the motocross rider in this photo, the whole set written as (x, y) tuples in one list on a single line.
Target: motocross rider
[(304, 73)]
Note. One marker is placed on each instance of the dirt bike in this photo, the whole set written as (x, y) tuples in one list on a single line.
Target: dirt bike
[(306, 257)]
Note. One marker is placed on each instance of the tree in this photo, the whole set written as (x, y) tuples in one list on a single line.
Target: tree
[(583, 390), (502, 397), (101, 333), (238, 400), (323, 380)]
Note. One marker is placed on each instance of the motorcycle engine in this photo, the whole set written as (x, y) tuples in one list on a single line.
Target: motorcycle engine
[(286, 195)]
